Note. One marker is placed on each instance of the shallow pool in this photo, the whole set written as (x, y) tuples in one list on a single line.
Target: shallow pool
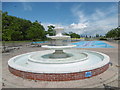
[(92, 44)]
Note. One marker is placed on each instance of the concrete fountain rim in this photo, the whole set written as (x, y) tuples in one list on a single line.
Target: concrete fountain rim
[(17, 67), (60, 60), (58, 47)]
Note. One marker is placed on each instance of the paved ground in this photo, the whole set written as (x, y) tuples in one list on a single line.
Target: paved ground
[(110, 77)]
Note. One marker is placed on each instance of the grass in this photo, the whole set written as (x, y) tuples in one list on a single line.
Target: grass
[(17, 42), (14, 41)]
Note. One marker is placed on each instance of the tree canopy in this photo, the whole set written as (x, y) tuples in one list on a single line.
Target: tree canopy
[(14, 28), (114, 33), (36, 31), (73, 35), (51, 30)]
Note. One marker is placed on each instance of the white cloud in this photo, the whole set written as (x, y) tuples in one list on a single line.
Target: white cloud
[(48, 24), (99, 22), (78, 26), (77, 12)]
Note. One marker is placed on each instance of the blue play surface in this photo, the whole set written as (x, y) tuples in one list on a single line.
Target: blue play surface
[(39, 42), (92, 44)]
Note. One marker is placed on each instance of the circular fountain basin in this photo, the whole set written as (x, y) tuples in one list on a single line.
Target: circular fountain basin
[(58, 47), (79, 65), (59, 37), (45, 59)]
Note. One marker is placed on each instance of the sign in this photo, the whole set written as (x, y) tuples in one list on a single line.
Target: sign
[(88, 74)]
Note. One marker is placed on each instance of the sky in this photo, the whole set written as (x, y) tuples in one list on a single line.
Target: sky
[(84, 18)]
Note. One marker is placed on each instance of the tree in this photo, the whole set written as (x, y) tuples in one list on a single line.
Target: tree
[(90, 36), (51, 30), (7, 34), (97, 35), (36, 31), (16, 35), (14, 28), (66, 34), (73, 35), (86, 36), (114, 33)]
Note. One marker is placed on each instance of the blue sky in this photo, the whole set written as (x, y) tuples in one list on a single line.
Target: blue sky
[(81, 17)]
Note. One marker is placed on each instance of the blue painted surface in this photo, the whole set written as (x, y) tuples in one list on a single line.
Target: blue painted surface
[(39, 42), (92, 44)]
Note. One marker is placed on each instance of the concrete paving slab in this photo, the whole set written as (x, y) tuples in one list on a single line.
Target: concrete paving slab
[(109, 77)]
